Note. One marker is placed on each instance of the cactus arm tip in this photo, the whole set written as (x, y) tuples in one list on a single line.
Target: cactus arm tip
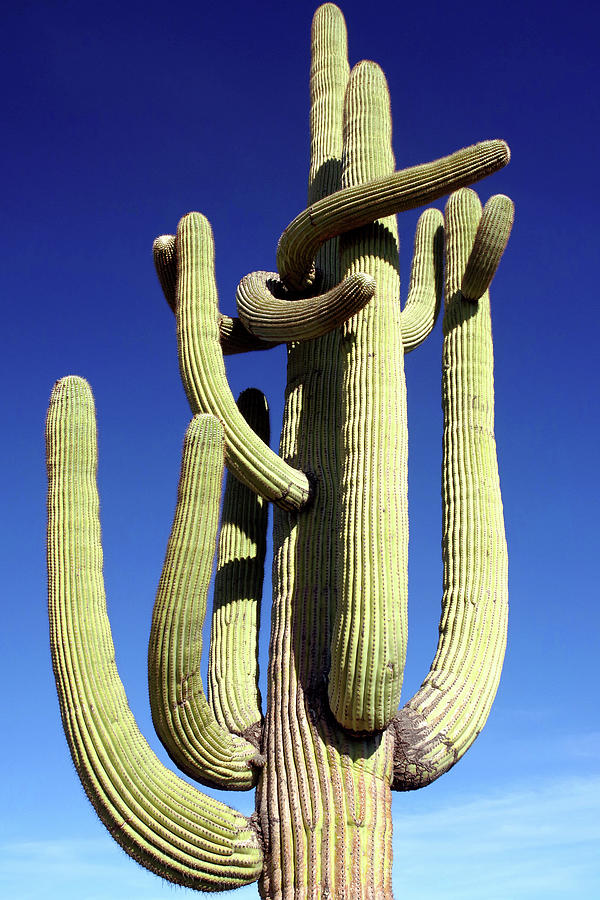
[(490, 243)]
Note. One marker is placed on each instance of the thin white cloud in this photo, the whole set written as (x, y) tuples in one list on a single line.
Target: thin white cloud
[(527, 843), (86, 869)]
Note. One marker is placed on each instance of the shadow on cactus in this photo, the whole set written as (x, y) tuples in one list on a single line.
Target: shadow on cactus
[(332, 744)]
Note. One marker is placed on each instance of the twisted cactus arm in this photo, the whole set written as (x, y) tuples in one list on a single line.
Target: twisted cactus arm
[(161, 821), (182, 717), (233, 336), (426, 278), (438, 725), (233, 661), (272, 318), (203, 371), (361, 203)]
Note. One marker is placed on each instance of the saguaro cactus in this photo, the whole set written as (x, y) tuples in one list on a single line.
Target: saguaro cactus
[(332, 744)]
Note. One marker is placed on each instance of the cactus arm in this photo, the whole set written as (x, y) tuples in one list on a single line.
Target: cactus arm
[(440, 722), (233, 660), (182, 717), (161, 821), (203, 372), (369, 632), (233, 336), (426, 277), (271, 318), (490, 242), (359, 204), (165, 264)]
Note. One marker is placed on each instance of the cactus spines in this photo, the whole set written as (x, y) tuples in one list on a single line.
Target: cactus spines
[(160, 820), (438, 725), (184, 721), (274, 318), (233, 661), (332, 743), (358, 205), (203, 371)]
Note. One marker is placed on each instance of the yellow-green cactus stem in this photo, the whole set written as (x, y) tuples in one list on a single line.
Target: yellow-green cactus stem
[(359, 204), (182, 717), (203, 371), (161, 821), (233, 661), (426, 280), (324, 799), (275, 318), (441, 721), (369, 632), (490, 242), (323, 827), (233, 336)]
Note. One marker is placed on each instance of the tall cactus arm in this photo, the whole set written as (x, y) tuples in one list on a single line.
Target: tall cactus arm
[(161, 821), (359, 204), (426, 277), (233, 661), (233, 336), (203, 372), (440, 722), (183, 719), (274, 318), (369, 632)]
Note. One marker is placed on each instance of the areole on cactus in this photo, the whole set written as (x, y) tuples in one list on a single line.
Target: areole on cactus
[(332, 743)]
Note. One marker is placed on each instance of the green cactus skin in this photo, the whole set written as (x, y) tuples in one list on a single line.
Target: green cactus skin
[(438, 725), (203, 371), (233, 660), (271, 318), (426, 278), (360, 204), (234, 338), (182, 717), (333, 744), (160, 820)]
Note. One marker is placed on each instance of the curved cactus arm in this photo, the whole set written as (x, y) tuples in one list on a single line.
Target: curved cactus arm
[(165, 263), (369, 629), (490, 243), (426, 277), (274, 318), (183, 719), (233, 336), (362, 203), (441, 721), (233, 661), (203, 371), (161, 821)]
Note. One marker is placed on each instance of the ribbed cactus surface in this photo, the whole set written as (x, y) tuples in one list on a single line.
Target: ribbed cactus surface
[(332, 742)]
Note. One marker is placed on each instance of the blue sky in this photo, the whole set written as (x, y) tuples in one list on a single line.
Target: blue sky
[(121, 118)]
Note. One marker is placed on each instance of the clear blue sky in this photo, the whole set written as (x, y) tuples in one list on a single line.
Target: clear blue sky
[(121, 117)]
